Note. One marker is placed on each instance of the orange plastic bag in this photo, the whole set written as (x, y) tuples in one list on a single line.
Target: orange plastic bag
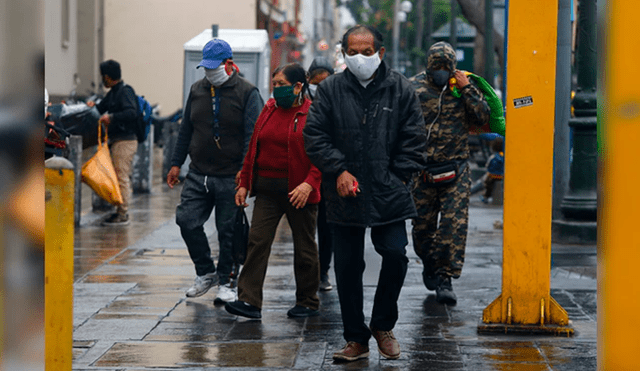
[(99, 173)]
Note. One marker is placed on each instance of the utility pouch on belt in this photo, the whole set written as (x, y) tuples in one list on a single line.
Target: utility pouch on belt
[(442, 173)]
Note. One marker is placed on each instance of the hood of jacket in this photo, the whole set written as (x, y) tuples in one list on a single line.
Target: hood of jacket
[(441, 54)]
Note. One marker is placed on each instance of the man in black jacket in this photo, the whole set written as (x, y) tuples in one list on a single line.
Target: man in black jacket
[(120, 113), (216, 128), (366, 134)]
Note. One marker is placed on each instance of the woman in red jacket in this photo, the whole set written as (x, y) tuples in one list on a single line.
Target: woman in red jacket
[(278, 172)]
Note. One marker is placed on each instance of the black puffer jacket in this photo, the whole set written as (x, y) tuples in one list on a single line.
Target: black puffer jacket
[(377, 134)]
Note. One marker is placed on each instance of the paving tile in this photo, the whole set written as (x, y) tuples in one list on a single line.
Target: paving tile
[(187, 354)]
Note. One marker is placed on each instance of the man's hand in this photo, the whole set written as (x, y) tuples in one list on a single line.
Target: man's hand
[(241, 197), (105, 119), (91, 103), (461, 79), (298, 197), (347, 185), (172, 176)]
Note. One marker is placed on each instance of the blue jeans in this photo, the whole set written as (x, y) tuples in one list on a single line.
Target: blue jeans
[(199, 196), (389, 241)]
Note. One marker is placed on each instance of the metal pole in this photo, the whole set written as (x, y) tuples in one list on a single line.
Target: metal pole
[(453, 26), (580, 203), (58, 263), (488, 41), (563, 108), (525, 304), (142, 176), (396, 34), (419, 34), (75, 156), (429, 22)]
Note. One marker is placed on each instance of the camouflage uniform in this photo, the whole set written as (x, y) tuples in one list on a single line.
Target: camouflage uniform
[(441, 245)]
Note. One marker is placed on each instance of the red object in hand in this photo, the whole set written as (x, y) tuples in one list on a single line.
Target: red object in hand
[(355, 186)]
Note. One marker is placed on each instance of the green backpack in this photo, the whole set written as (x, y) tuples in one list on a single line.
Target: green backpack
[(496, 122)]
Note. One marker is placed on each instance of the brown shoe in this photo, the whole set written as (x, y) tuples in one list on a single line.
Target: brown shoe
[(351, 352), (387, 344)]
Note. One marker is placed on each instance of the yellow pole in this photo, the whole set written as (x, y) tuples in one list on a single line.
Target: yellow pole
[(58, 260), (525, 304), (618, 242)]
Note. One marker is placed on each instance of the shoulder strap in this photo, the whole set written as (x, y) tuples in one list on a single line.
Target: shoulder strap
[(215, 104)]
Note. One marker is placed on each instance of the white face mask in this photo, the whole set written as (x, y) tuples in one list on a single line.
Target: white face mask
[(216, 76), (312, 89), (362, 67)]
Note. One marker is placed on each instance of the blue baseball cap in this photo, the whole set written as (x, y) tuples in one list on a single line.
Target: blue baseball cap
[(214, 53)]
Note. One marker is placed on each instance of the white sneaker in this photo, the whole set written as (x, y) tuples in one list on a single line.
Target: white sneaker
[(226, 293), (202, 284)]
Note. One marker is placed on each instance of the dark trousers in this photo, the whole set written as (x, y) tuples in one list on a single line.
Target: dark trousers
[(325, 238), (489, 184), (268, 210), (199, 196), (389, 241)]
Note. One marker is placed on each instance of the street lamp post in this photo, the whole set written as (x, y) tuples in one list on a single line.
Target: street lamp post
[(488, 41), (579, 205), (400, 11), (396, 33)]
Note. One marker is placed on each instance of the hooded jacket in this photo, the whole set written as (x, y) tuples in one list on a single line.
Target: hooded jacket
[(448, 119), (377, 134)]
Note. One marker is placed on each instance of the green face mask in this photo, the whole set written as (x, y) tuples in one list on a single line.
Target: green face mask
[(284, 96)]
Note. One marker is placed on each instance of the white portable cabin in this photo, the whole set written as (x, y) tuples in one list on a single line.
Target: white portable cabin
[(251, 53)]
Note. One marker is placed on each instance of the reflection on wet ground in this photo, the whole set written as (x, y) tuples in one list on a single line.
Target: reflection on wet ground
[(180, 354), (130, 312)]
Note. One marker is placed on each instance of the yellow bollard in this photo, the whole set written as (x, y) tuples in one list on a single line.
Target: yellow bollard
[(58, 260), (525, 304), (618, 243)]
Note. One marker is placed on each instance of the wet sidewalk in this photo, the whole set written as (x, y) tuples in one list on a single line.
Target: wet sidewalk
[(130, 312)]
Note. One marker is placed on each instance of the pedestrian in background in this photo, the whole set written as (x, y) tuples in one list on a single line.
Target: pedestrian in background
[(495, 167), (278, 172), (441, 192), (119, 109), (319, 70), (366, 134), (217, 124)]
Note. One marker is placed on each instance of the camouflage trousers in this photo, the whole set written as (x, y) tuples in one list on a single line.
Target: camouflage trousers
[(441, 244)]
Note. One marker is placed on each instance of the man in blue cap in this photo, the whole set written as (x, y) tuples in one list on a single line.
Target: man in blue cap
[(217, 124)]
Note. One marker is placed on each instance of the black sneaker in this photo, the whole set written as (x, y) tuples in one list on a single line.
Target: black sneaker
[(117, 219), (325, 284), (240, 308), (430, 280), (299, 312), (444, 291)]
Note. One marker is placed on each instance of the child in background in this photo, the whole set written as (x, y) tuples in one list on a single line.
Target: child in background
[(495, 167)]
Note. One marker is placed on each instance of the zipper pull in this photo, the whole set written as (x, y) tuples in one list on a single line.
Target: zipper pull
[(295, 125), (364, 118)]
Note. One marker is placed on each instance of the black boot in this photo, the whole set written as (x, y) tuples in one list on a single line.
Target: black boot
[(444, 291)]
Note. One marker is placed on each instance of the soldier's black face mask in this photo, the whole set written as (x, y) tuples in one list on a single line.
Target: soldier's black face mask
[(440, 77)]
